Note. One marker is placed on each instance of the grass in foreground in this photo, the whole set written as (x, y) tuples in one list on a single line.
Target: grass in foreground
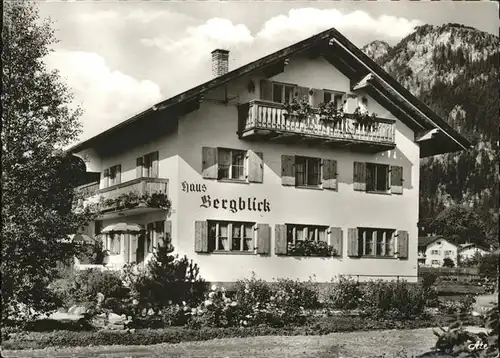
[(388, 343)]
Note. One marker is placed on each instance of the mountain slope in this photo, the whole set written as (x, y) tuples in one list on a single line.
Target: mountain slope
[(453, 69)]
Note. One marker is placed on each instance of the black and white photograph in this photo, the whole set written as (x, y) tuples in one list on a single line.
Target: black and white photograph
[(233, 179)]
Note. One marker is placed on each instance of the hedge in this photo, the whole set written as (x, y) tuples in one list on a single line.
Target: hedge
[(316, 326)]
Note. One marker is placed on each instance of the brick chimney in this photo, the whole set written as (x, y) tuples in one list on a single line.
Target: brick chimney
[(220, 62)]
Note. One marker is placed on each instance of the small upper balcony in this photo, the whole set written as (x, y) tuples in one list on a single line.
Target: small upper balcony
[(128, 198), (261, 120)]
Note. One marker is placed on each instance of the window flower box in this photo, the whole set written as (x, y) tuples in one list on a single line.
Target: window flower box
[(311, 248)]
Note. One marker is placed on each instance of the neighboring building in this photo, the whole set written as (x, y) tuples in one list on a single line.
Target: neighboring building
[(470, 250), (432, 250), (247, 182)]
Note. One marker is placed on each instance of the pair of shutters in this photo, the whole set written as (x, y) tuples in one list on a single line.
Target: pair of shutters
[(133, 239), (255, 166), (360, 178), (263, 238), (118, 175), (139, 166), (281, 244), (354, 248), (328, 172)]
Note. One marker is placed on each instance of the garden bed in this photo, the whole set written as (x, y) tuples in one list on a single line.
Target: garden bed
[(313, 326)]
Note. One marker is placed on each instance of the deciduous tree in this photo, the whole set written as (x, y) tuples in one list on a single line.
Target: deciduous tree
[(38, 178)]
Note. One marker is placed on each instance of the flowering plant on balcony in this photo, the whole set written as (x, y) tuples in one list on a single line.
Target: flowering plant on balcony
[(132, 199), (329, 113), (311, 248), (364, 118), (299, 108)]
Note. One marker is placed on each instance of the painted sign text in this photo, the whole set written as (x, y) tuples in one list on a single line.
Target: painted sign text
[(235, 205)]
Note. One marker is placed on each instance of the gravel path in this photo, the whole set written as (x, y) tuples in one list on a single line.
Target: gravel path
[(388, 343)]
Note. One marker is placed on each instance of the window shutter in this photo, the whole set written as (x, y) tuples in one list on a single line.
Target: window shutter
[(403, 244), (359, 176), (336, 239), (133, 247), (167, 232), (396, 180), (329, 174), (138, 167), (126, 251), (118, 174), (352, 243), (266, 90), (209, 162), (105, 176), (201, 236), (154, 165), (255, 166), (288, 170), (263, 239), (280, 244)]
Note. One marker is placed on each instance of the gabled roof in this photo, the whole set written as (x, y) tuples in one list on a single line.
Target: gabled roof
[(426, 240), (350, 60), (472, 244)]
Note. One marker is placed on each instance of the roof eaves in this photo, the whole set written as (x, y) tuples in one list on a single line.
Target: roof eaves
[(218, 81), (403, 92)]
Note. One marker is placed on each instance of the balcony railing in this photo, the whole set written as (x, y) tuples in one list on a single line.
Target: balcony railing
[(261, 117), (138, 187)]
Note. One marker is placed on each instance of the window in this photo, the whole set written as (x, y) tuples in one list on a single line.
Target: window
[(448, 252), (230, 236), (231, 164), (112, 176), (377, 242), (435, 262), (329, 96), (296, 233), (115, 244), (147, 169), (377, 177), (147, 165), (435, 252), (307, 171), (283, 93)]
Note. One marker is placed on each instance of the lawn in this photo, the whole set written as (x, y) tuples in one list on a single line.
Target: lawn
[(388, 343)]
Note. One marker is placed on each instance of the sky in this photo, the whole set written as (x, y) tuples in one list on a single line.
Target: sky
[(120, 58)]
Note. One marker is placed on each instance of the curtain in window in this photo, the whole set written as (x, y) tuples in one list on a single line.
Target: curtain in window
[(224, 163), (300, 172)]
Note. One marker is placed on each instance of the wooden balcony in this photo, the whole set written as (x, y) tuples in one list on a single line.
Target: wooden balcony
[(262, 120), (132, 191)]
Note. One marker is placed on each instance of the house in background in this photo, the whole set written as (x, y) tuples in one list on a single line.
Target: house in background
[(432, 250), (251, 184), (470, 250)]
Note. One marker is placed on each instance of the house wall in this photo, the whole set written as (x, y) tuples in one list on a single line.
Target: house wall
[(436, 259), (215, 125), (167, 146)]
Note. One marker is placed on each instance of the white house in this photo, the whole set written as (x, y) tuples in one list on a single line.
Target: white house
[(251, 186), (470, 250), (434, 249)]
